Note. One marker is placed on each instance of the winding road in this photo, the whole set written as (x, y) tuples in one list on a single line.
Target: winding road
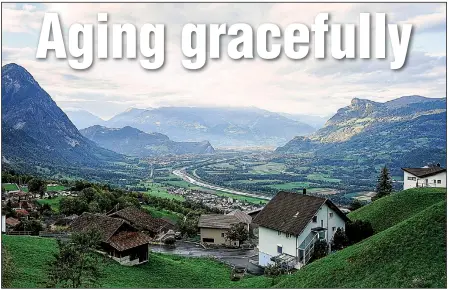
[(183, 174)]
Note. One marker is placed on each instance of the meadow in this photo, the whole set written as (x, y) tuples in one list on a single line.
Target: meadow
[(30, 255)]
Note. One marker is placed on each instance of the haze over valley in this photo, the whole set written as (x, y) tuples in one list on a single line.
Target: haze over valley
[(181, 145)]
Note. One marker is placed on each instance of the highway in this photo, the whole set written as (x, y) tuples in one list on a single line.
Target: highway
[(182, 173)]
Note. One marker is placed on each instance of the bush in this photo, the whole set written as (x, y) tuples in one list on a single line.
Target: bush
[(320, 250), (170, 241), (340, 240), (358, 230), (274, 270)]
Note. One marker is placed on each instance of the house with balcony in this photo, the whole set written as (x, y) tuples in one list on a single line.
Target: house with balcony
[(291, 223), (427, 176)]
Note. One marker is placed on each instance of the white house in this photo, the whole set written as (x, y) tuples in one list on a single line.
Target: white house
[(428, 176), (291, 223)]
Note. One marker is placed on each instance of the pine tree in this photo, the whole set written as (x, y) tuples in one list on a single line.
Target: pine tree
[(384, 183)]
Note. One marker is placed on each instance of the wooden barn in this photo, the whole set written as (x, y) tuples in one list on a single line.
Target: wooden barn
[(119, 239)]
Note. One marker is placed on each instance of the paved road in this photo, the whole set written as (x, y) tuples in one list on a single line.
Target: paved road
[(237, 257), (181, 173)]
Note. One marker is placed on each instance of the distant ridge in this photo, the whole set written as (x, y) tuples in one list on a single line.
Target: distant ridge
[(131, 141)]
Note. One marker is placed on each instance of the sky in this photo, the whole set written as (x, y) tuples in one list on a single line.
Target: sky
[(308, 86)]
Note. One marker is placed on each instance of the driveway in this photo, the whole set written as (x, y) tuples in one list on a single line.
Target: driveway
[(235, 257)]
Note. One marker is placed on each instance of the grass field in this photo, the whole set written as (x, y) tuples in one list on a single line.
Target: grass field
[(268, 168), (322, 177), (30, 254), (162, 213), (10, 186), (53, 203), (158, 190), (388, 211), (56, 188), (410, 254)]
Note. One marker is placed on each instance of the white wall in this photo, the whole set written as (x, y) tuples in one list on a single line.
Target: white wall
[(422, 181), (269, 239)]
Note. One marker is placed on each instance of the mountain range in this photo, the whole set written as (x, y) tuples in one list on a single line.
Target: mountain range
[(221, 126), (36, 131), (83, 119), (411, 127), (131, 141)]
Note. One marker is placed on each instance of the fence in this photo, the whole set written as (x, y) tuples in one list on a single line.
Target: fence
[(57, 235), (19, 233)]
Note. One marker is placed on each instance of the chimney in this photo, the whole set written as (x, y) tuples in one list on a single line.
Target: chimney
[(304, 191)]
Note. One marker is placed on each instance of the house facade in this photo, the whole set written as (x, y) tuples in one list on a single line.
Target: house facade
[(213, 229), (428, 176), (291, 223)]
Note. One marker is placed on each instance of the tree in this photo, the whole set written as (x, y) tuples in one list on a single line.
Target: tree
[(237, 232), (33, 226), (8, 268), (71, 205), (36, 185), (189, 227), (358, 230), (355, 204), (76, 264), (340, 240), (384, 183)]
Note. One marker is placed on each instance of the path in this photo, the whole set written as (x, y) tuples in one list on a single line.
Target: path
[(236, 257)]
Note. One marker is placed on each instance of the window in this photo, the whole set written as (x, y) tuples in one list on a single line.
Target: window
[(439, 181), (222, 235), (208, 240), (279, 249), (315, 219), (334, 229), (411, 178), (434, 181), (322, 223), (331, 214), (279, 233)]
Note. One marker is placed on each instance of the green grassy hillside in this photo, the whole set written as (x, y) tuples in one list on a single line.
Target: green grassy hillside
[(390, 210), (408, 255), (162, 271)]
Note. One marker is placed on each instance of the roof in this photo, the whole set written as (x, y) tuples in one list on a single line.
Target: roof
[(12, 221), (141, 219), (241, 216), (217, 221), (290, 212), (126, 240), (22, 211), (424, 171), (105, 225)]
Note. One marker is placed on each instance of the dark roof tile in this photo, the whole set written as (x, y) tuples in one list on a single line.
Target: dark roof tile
[(424, 171)]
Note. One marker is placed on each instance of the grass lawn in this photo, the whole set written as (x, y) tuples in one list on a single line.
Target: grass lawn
[(56, 188), (410, 254), (30, 255), (54, 202), (390, 210), (158, 190), (10, 186), (162, 213)]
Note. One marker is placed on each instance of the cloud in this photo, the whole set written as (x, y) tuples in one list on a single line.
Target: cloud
[(307, 86)]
